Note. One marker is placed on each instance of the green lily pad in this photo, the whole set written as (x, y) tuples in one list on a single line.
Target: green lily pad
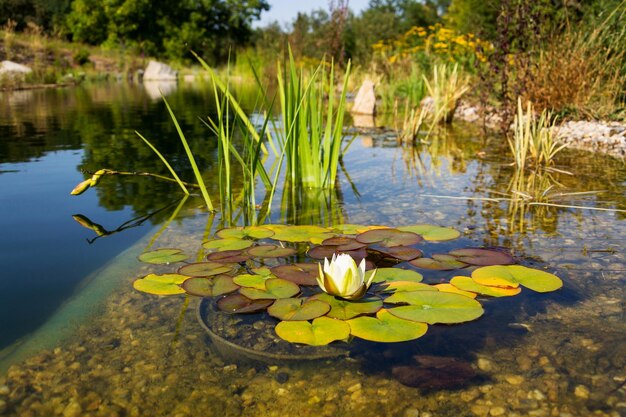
[(350, 229), (435, 307), (263, 270), (406, 286), (271, 251), (345, 310), (166, 284), (321, 332), (389, 237), (447, 287), (468, 284), (274, 288), (204, 269), (209, 287), (293, 309), (431, 232), (249, 232), (514, 275), (300, 233), (482, 257), (237, 303), (163, 256), (229, 256), (300, 273), (403, 253), (439, 262), (230, 243), (395, 274), (251, 281), (386, 328)]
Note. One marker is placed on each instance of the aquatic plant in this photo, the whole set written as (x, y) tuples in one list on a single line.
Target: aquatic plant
[(446, 87), (317, 305)]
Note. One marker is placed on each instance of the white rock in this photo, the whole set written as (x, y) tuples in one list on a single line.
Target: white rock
[(365, 100), (13, 68), (158, 71)]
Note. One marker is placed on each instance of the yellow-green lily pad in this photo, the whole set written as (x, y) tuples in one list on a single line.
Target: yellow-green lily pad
[(301, 233), (468, 284), (406, 286), (163, 256), (345, 310), (271, 251), (386, 328), (230, 243), (431, 232), (274, 288), (294, 309), (482, 257), (209, 287), (229, 256), (514, 275), (248, 232), (435, 307), (204, 269), (394, 274), (322, 331), (251, 281), (447, 287), (166, 284)]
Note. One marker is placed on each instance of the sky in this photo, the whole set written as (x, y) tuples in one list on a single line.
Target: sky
[(286, 10)]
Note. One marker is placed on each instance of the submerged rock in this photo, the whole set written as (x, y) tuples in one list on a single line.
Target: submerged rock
[(434, 372)]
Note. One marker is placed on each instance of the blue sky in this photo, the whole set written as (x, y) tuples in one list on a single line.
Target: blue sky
[(286, 10)]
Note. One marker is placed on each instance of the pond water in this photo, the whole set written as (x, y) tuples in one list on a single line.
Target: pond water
[(78, 340)]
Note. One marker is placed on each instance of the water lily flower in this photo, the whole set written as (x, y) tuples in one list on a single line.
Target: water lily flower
[(342, 278)]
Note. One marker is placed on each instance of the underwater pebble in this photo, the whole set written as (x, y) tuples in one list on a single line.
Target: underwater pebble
[(514, 379), (73, 409), (3, 406), (355, 387), (581, 391), (411, 412), (485, 365), (480, 410), (497, 411), (4, 390)]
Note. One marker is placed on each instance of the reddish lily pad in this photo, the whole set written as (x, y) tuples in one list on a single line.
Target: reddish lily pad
[(435, 307), (227, 244), (514, 275), (439, 262), (274, 288), (209, 287), (431, 232), (229, 256), (237, 303), (403, 253), (468, 284), (344, 243), (321, 252), (300, 273), (204, 269), (482, 257), (293, 309), (345, 310), (166, 284), (249, 232), (163, 256), (271, 251), (395, 274), (386, 328), (389, 237), (321, 331)]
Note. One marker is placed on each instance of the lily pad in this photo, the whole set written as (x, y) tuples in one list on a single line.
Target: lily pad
[(406, 286), (204, 269), (345, 310), (403, 253), (435, 307), (468, 284), (293, 309), (300, 273), (386, 328), (229, 256), (389, 237), (395, 274), (263, 270), (249, 232), (431, 232), (447, 287), (271, 251), (237, 303), (514, 275), (274, 288), (321, 332), (344, 243), (482, 257), (300, 233), (251, 281), (209, 287), (439, 262), (163, 256), (166, 284), (230, 243), (321, 252)]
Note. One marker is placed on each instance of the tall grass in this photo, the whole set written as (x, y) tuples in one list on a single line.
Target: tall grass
[(446, 87)]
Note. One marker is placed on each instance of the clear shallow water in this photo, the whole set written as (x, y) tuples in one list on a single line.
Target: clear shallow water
[(555, 354)]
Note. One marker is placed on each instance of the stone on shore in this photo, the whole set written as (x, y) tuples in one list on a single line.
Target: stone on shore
[(158, 71), (10, 68), (365, 100)]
